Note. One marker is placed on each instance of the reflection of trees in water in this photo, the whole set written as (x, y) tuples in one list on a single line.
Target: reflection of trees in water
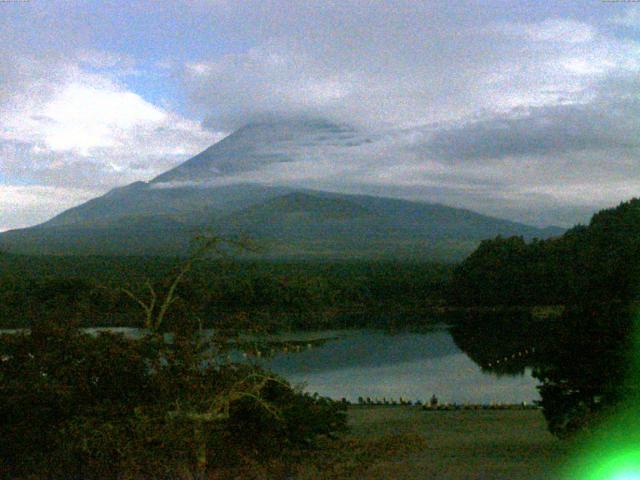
[(500, 343), (367, 349), (581, 359), (584, 367)]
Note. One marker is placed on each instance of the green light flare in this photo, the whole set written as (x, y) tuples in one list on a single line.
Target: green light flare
[(626, 476), (613, 452), (618, 467)]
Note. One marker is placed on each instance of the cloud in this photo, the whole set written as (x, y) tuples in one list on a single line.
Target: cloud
[(66, 126), (80, 117), (629, 18), (405, 66), (91, 116), (24, 205), (552, 30), (546, 131)]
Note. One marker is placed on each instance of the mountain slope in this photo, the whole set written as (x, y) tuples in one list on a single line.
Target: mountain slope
[(291, 224), (325, 213), (142, 199), (258, 145), (162, 216)]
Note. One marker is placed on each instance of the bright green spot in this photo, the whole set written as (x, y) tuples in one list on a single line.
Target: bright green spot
[(626, 476), (613, 453), (602, 464)]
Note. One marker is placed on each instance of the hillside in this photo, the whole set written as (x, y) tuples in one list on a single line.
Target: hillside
[(596, 263), (299, 224), (257, 145), (162, 216)]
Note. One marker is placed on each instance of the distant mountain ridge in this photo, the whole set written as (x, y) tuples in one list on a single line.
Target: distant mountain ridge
[(141, 199), (162, 216)]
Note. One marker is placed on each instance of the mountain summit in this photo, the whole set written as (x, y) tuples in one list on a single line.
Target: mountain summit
[(161, 217), (258, 145)]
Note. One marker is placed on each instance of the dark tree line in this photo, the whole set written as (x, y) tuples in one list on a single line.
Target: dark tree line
[(289, 295), (588, 264)]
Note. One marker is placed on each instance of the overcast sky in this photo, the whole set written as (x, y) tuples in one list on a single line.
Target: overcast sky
[(525, 110)]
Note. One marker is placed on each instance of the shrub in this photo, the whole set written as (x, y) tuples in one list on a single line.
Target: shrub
[(77, 406)]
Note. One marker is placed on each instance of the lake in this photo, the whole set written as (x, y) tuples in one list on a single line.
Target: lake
[(415, 366), (377, 364)]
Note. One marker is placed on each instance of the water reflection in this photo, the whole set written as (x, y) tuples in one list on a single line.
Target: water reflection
[(458, 365), (410, 365), (503, 344)]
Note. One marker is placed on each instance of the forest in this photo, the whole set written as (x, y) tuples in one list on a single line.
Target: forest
[(76, 405), (282, 295), (596, 263)]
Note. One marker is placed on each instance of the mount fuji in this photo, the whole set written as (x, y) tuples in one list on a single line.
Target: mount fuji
[(223, 190)]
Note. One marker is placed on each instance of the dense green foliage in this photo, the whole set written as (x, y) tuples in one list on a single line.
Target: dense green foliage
[(79, 406), (301, 295), (588, 264)]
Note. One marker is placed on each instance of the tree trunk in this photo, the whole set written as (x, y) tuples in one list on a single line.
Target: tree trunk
[(200, 440)]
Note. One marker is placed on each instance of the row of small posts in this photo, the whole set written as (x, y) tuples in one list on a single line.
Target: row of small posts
[(433, 404)]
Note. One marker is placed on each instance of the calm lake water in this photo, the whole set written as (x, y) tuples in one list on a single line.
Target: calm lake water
[(412, 365), (375, 364)]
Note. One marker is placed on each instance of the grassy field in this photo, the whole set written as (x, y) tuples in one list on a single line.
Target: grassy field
[(408, 443)]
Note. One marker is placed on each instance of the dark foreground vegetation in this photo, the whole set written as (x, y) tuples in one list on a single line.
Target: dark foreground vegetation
[(73, 405), (76, 406)]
